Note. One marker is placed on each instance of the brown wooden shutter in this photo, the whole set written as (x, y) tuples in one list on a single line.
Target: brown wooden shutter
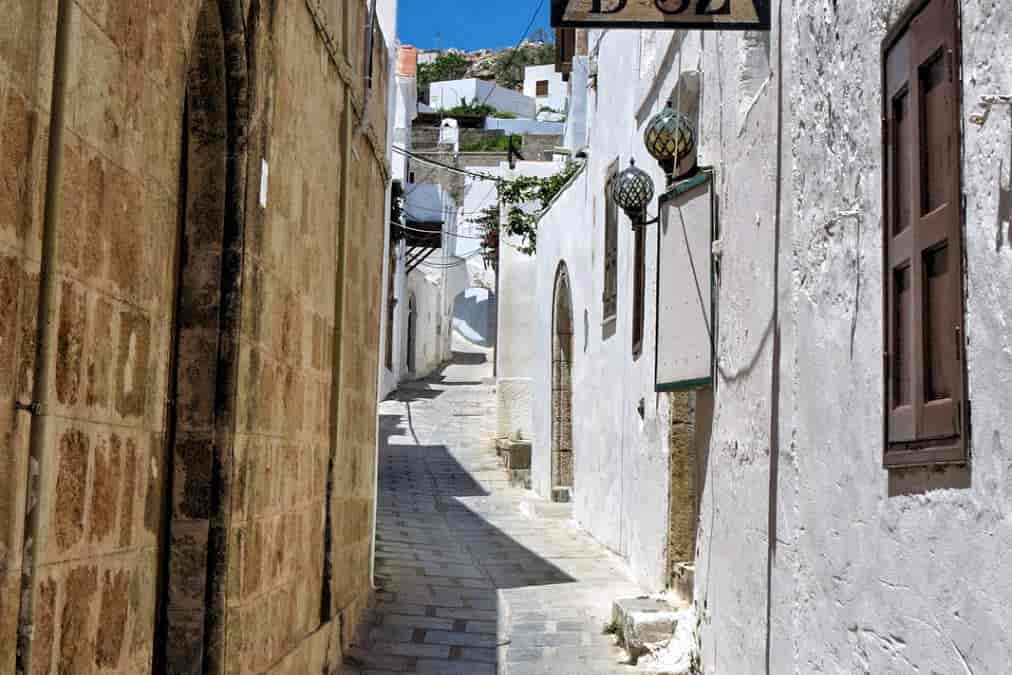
[(925, 388), (609, 295), (565, 48), (639, 288)]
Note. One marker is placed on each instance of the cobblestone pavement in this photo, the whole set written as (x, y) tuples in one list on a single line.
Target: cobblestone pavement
[(477, 577)]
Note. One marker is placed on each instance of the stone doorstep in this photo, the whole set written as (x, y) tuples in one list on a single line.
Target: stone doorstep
[(535, 507), (645, 624)]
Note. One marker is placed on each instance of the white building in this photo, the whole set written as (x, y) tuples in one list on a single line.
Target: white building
[(546, 87), (827, 534), (423, 275), (452, 93)]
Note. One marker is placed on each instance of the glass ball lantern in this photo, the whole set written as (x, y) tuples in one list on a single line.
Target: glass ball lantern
[(671, 140), (632, 190)]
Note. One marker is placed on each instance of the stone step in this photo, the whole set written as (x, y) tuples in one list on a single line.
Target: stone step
[(535, 507), (643, 624)]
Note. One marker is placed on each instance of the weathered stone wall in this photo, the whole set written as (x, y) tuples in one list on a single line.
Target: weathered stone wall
[(682, 488), (250, 502), (26, 30)]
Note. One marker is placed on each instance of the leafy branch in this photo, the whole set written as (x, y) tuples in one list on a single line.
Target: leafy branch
[(523, 199)]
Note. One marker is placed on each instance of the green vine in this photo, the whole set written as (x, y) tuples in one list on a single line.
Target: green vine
[(516, 196)]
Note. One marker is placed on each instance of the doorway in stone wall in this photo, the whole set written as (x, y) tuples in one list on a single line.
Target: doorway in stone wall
[(562, 388), (412, 332), (190, 592)]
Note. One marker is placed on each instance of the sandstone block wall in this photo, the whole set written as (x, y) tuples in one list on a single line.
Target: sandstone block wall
[(247, 517)]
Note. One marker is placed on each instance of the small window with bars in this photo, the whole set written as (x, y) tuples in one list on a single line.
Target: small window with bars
[(541, 88), (925, 388)]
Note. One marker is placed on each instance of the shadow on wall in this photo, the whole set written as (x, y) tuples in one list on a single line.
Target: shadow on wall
[(472, 315)]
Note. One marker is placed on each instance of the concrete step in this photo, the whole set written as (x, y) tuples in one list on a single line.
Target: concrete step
[(536, 507), (643, 624), (655, 630)]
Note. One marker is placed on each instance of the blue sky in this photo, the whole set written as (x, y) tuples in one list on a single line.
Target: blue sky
[(468, 24)]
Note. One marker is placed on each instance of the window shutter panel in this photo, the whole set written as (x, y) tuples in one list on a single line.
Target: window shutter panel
[(900, 322), (925, 373), (939, 236), (639, 288), (565, 47)]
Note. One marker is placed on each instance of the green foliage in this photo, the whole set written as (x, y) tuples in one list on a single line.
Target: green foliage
[(510, 64), (516, 196), (447, 66), (493, 143), (469, 109), (504, 115)]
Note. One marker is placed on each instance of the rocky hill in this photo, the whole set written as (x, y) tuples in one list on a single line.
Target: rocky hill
[(503, 66)]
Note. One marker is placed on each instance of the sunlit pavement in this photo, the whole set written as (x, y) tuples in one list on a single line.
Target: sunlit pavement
[(471, 583)]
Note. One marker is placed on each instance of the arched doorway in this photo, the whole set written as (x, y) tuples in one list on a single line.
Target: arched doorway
[(412, 332), (196, 492), (562, 388)]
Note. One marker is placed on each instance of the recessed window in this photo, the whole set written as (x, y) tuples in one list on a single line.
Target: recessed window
[(639, 287), (609, 295), (923, 241), (542, 88)]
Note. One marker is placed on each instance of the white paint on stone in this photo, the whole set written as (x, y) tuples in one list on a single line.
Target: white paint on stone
[(865, 576)]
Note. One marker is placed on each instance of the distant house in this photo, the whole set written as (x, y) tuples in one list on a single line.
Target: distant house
[(452, 93), (428, 56), (546, 87)]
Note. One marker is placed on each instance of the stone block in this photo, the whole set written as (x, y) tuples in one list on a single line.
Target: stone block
[(71, 484), (645, 624), (77, 638), (113, 618), (516, 454)]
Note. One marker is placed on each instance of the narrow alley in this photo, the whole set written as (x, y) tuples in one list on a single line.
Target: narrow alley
[(471, 571)]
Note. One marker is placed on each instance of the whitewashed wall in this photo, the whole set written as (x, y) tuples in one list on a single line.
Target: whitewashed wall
[(404, 103), (451, 93), (870, 571), (556, 98), (516, 345), (620, 459)]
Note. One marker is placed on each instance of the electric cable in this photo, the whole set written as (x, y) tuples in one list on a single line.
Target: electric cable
[(442, 165), (443, 232), (520, 42)]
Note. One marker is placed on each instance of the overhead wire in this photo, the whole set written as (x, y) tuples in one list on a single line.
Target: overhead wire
[(509, 62), (443, 165)]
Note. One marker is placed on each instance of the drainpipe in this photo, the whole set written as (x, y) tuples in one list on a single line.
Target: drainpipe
[(39, 459)]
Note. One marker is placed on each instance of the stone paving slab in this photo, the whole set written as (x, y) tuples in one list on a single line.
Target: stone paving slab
[(471, 584)]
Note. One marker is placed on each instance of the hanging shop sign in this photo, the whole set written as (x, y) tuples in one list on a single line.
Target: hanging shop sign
[(659, 14), (685, 274)]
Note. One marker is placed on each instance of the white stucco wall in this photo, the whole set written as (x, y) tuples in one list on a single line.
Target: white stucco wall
[(871, 571), (451, 93), (620, 459), (530, 127), (556, 98), (516, 351)]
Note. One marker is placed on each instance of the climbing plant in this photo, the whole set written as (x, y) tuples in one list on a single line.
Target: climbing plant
[(517, 196)]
